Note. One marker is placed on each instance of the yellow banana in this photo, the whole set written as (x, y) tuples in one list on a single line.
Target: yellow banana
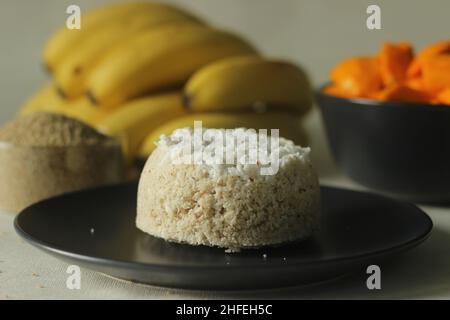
[(132, 122), (288, 125), (45, 99), (159, 58), (65, 41), (238, 83), (82, 110), (71, 75), (48, 100)]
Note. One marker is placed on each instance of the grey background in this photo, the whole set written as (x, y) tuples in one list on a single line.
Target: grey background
[(315, 33)]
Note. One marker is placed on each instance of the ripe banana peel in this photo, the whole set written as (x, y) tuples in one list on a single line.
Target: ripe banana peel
[(288, 125), (72, 73), (159, 58), (240, 83), (48, 100), (45, 99), (82, 110), (132, 122), (65, 41)]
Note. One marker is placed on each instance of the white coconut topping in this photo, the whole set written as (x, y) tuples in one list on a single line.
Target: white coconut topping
[(238, 151)]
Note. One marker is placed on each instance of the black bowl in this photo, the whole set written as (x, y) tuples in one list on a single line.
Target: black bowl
[(402, 149)]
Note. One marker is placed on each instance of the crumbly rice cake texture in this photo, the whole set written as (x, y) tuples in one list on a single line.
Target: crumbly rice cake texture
[(203, 205)]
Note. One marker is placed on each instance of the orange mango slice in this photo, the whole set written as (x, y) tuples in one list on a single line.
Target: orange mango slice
[(394, 61), (357, 77), (402, 93), (444, 97), (396, 75), (336, 91), (436, 73), (442, 47), (415, 83)]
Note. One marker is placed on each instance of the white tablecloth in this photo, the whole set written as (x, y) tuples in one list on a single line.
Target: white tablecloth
[(424, 272)]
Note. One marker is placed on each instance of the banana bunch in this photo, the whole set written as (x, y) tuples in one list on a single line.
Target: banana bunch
[(135, 68), (130, 16), (125, 51), (243, 91), (135, 71)]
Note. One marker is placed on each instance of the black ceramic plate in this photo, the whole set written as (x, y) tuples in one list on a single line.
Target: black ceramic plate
[(95, 229)]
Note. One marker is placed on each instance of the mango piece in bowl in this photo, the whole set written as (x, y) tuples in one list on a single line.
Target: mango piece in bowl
[(395, 74)]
